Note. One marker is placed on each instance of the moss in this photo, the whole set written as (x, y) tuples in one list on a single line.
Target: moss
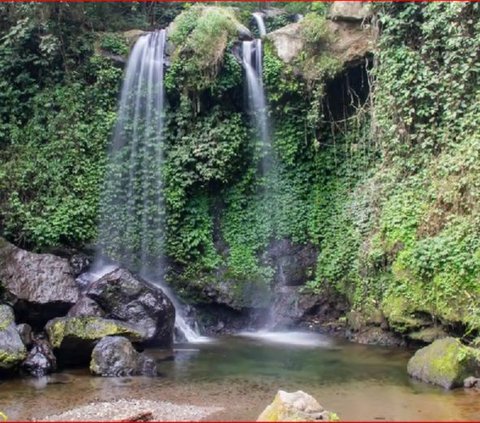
[(9, 359), (446, 362), (400, 314), (88, 329), (295, 407), (6, 316)]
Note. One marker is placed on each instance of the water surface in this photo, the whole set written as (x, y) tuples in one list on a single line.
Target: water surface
[(242, 374)]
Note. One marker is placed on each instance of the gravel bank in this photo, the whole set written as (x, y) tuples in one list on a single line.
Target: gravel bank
[(130, 409)]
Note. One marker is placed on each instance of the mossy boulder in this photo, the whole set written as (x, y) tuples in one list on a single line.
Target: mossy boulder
[(12, 349), (76, 337), (6, 316), (295, 407), (446, 362)]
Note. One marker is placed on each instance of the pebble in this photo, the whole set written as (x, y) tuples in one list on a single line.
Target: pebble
[(125, 409)]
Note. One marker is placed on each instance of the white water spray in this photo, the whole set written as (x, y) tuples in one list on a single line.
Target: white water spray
[(132, 217)]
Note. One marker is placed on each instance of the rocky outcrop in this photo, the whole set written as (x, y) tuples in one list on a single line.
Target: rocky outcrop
[(295, 407), (293, 306), (371, 329), (75, 337), (294, 264), (353, 11), (446, 362), (39, 286), (349, 42), (129, 299), (40, 360), (12, 349), (115, 356)]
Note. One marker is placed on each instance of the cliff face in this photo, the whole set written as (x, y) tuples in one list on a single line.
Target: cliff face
[(368, 217)]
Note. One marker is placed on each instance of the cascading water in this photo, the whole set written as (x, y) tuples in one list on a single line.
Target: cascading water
[(262, 30), (257, 105), (258, 111), (132, 212)]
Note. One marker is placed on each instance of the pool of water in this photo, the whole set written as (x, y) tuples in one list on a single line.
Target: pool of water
[(243, 373)]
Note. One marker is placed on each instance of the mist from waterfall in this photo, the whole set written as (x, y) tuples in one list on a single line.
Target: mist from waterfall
[(132, 212)]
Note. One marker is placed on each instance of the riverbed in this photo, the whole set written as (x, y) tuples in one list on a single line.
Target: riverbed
[(241, 374)]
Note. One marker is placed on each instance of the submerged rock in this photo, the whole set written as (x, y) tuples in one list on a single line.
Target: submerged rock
[(295, 407), (116, 356), (12, 349), (39, 286), (129, 299), (446, 362), (40, 360), (77, 336)]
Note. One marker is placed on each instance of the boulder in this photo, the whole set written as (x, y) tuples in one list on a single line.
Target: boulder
[(25, 332), (115, 356), (349, 42), (39, 286), (288, 41), (471, 382), (12, 349), (75, 337), (129, 299), (295, 407), (85, 307), (446, 362), (6, 316), (40, 360), (353, 11)]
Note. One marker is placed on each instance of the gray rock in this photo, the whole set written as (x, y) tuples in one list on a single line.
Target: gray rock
[(25, 332), (349, 11), (86, 307), (471, 382), (40, 360), (79, 263), (288, 41), (446, 362), (129, 299), (6, 316), (75, 337), (348, 42), (12, 350), (115, 356), (39, 286)]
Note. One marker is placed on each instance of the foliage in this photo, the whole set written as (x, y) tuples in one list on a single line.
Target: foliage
[(200, 35)]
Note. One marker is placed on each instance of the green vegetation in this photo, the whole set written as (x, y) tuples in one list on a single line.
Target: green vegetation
[(388, 193)]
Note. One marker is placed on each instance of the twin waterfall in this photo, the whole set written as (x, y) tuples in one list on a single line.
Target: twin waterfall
[(132, 212)]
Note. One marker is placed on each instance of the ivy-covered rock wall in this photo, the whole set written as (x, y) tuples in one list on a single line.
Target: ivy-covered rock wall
[(374, 169)]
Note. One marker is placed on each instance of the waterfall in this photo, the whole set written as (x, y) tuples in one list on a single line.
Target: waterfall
[(132, 209), (260, 23), (257, 105)]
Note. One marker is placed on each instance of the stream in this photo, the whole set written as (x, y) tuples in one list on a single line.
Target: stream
[(242, 374)]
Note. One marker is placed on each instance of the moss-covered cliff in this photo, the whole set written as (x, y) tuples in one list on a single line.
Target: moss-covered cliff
[(375, 156)]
